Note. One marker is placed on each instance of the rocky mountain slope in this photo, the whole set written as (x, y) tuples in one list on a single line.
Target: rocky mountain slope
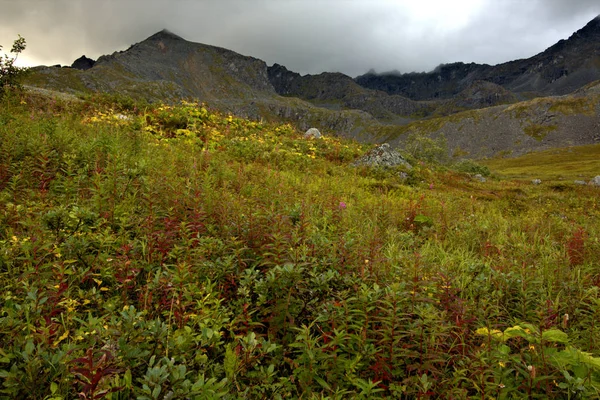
[(561, 69), (336, 91), (513, 129), (482, 110), (166, 67)]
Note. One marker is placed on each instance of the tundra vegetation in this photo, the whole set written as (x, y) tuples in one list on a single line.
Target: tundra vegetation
[(169, 251)]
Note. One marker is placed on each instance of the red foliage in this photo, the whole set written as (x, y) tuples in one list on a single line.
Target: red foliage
[(576, 247)]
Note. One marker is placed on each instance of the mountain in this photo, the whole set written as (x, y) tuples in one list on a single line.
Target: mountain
[(482, 110), (339, 91), (166, 67), (561, 69), (512, 129)]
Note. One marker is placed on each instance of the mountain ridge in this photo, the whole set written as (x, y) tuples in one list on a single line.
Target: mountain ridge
[(558, 70), (166, 67)]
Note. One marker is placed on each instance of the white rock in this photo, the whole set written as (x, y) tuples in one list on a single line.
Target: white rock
[(595, 181), (479, 178), (536, 181), (312, 133)]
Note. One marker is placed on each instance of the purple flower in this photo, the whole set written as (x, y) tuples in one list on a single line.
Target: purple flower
[(342, 205)]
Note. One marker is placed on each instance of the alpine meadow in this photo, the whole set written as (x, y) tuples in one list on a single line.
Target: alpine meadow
[(177, 250)]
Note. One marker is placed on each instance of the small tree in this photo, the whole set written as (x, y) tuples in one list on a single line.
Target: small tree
[(9, 73)]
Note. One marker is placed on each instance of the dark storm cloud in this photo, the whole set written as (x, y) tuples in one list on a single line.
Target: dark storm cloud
[(308, 36)]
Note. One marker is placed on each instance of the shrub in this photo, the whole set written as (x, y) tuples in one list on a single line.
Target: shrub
[(10, 74), (424, 148), (471, 167)]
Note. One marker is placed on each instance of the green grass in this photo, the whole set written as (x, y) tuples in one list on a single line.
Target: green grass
[(570, 163), (151, 251)]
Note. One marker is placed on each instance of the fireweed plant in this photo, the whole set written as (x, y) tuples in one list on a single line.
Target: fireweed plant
[(170, 251)]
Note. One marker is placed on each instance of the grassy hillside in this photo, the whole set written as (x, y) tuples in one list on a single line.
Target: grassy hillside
[(173, 252), (569, 164)]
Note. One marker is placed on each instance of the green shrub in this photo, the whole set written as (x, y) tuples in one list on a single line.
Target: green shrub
[(471, 167), (10, 74), (420, 147)]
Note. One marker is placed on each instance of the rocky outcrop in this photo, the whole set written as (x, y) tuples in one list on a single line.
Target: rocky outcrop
[(383, 156), (482, 94), (282, 79), (83, 63)]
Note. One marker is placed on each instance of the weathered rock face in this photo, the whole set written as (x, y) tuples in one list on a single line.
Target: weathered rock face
[(336, 90), (282, 79), (481, 94), (383, 156), (83, 63)]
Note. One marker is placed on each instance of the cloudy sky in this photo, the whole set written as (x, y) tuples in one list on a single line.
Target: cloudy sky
[(307, 36)]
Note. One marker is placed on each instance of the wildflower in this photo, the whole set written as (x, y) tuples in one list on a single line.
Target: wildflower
[(502, 364), (501, 386), (342, 205)]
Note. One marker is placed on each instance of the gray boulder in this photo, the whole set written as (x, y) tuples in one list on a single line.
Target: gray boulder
[(582, 183), (312, 133), (383, 156), (595, 181), (536, 181), (479, 178)]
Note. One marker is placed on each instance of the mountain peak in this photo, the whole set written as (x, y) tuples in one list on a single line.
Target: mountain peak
[(165, 34), (590, 30)]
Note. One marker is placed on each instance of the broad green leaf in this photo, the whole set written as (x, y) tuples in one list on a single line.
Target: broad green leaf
[(555, 336)]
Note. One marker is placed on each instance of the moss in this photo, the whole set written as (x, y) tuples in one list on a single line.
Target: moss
[(539, 132), (574, 105), (522, 109), (566, 105)]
